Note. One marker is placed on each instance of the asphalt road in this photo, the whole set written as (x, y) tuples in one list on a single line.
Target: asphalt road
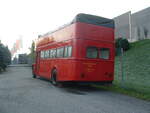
[(20, 93)]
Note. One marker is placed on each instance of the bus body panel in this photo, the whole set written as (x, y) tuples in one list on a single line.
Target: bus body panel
[(93, 32)]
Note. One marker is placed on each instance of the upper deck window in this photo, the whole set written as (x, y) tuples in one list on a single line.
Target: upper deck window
[(91, 52), (104, 53)]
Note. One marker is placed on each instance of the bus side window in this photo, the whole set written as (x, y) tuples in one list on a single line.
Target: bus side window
[(46, 55), (53, 53), (42, 54), (60, 52), (68, 51), (104, 53)]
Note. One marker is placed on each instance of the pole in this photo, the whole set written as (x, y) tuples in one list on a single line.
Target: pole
[(121, 65), (122, 69), (130, 26)]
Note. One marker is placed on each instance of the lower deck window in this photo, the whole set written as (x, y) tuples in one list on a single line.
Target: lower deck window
[(60, 52), (53, 53), (68, 51), (65, 51), (46, 55), (42, 54)]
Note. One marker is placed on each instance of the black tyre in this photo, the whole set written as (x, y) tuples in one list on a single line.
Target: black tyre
[(33, 75)]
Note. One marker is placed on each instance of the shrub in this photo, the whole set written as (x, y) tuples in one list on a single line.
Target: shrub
[(122, 43), (5, 57)]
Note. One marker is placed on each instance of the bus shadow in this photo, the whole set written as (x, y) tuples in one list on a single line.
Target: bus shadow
[(41, 78), (76, 88), (81, 89)]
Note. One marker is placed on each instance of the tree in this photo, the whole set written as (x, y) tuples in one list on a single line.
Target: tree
[(32, 52), (5, 56)]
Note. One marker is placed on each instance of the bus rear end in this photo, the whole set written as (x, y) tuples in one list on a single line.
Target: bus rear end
[(87, 52), (95, 50), (96, 64)]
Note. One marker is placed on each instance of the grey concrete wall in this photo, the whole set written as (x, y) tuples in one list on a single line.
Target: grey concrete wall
[(122, 25), (140, 23), (133, 26)]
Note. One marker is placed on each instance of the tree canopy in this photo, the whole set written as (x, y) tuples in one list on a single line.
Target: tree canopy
[(31, 55), (5, 56)]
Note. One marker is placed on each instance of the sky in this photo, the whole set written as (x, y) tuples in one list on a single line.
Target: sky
[(30, 18)]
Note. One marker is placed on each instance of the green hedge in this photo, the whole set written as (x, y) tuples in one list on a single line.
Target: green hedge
[(5, 57), (121, 43)]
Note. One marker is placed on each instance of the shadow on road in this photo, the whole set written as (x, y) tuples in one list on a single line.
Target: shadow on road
[(76, 88), (81, 89)]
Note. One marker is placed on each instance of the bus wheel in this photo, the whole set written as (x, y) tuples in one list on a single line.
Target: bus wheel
[(54, 78), (33, 75)]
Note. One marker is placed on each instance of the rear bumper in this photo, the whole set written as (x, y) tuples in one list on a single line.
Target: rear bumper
[(87, 82)]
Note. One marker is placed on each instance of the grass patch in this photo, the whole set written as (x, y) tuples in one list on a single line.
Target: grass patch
[(130, 92), (136, 69)]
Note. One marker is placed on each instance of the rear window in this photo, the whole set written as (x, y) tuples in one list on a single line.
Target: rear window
[(104, 53), (91, 52)]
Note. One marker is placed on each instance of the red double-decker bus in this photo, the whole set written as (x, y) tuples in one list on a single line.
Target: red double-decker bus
[(82, 51)]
